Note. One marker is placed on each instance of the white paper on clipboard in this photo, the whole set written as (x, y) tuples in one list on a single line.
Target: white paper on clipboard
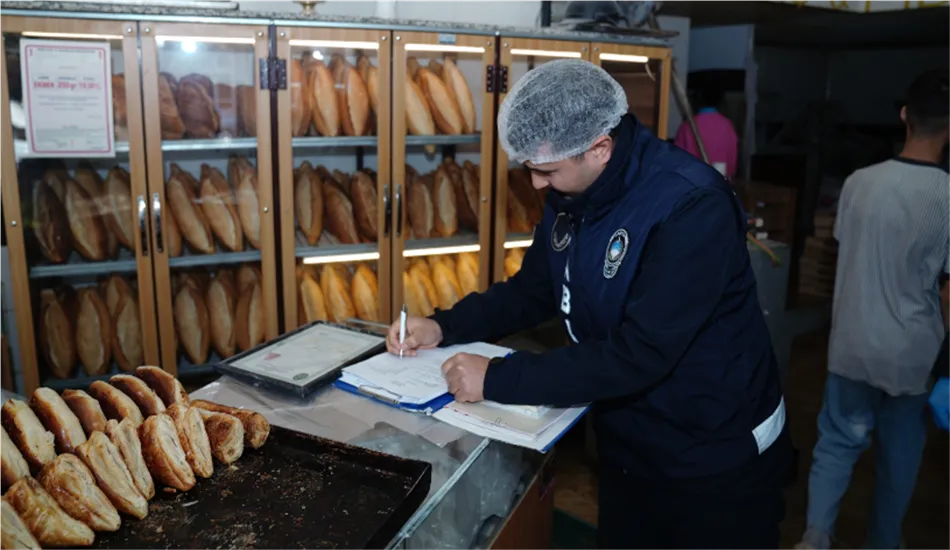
[(67, 95), (301, 358)]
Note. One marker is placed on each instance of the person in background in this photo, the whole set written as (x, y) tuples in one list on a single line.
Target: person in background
[(642, 254), (887, 326), (719, 135)]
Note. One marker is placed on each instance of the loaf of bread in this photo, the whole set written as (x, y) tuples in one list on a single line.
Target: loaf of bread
[(196, 105), (14, 533), (324, 110), (226, 104), (87, 410), (513, 261), (163, 453), (312, 304), (118, 214), (193, 438), (85, 224), (112, 288), (182, 197), (418, 300), (217, 203), (343, 181), (90, 181), (445, 109), (368, 73), (120, 115), (243, 177), (68, 480), (247, 275), (418, 116), (12, 463), (299, 99), (56, 336), (363, 191), (45, 518), (127, 345), (365, 294), (125, 436), (192, 325), (115, 404), (249, 318), (172, 125), (338, 215), (148, 402), (58, 419), (221, 302), (467, 270), (443, 197), (419, 209), (172, 235), (455, 81), (308, 203), (352, 100), (226, 434), (446, 285), (50, 224), (247, 109), (165, 385), (517, 213), (334, 280), (519, 181), (256, 427), (28, 434), (112, 475), (93, 332)]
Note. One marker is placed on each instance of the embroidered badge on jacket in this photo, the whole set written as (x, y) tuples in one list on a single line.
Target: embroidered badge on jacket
[(616, 250)]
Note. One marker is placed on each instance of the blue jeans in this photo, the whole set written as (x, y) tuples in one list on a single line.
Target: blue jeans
[(850, 413)]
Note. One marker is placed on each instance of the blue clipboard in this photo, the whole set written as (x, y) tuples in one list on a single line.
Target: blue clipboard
[(427, 408)]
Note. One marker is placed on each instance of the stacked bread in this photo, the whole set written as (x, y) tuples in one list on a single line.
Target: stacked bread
[(212, 208), (443, 201), (194, 107), (337, 292), (439, 281), (73, 464), (90, 326), (335, 99), (438, 99), (83, 212), (335, 208), (224, 313)]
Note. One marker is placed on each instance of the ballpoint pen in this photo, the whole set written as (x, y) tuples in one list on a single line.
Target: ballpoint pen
[(403, 313)]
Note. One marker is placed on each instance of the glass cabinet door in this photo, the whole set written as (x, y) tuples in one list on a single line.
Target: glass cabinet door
[(644, 73), (443, 129), (207, 124), (518, 205), (334, 143), (74, 200)]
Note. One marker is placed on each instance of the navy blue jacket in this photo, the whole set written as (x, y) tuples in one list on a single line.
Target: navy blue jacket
[(650, 272)]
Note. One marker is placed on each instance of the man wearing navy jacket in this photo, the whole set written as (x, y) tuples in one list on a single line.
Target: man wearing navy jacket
[(642, 254)]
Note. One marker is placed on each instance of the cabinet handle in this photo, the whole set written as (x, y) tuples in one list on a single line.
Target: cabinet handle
[(157, 212), (143, 230), (399, 211), (388, 209)]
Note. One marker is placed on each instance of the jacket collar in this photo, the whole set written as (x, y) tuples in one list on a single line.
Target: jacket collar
[(611, 183)]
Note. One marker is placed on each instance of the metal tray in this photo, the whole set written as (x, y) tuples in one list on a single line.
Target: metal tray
[(297, 491)]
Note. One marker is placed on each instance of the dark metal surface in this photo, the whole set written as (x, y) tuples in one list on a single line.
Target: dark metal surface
[(297, 491)]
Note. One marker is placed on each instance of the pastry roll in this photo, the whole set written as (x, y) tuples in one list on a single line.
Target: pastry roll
[(165, 385), (124, 435), (249, 322), (172, 125), (14, 534), (86, 409), (56, 335), (324, 109), (50, 223), (68, 480), (145, 399), (365, 297), (196, 105), (445, 109), (220, 301), (256, 427), (112, 475), (191, 324), (56, 417), (217, 203), (127, 334), (308, 203), (31, 438), (182, 197), (163, 453), (363, 192), (226, 434), (193, 438), (52, 527), (85, 224), (118, 206), (243, 178), (12, 463), (338, 215), (115, 404)]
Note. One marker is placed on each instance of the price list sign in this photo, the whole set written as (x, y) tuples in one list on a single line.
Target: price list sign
[(67, 94)]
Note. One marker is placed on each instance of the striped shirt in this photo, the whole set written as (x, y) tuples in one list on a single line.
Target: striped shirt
[(893, 242)]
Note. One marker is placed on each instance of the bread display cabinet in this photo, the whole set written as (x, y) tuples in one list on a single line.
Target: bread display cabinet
[(443, 135), (643, 71), (76, 219), (333, 142)]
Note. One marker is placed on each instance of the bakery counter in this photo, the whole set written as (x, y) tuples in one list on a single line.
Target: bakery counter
[(481, 491)]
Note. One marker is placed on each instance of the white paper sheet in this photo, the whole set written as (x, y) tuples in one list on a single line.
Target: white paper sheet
[(542, 441)]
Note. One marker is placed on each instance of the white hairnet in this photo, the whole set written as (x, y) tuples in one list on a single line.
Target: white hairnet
[(558, 109)]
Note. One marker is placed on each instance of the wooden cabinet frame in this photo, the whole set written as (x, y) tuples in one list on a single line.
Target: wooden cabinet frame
[(664, 55), (258, 36), (62, 28), (286, 163), (400, 209)]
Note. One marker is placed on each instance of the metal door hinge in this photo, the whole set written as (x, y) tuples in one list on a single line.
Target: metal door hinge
[(496, 78), (273, 73)]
